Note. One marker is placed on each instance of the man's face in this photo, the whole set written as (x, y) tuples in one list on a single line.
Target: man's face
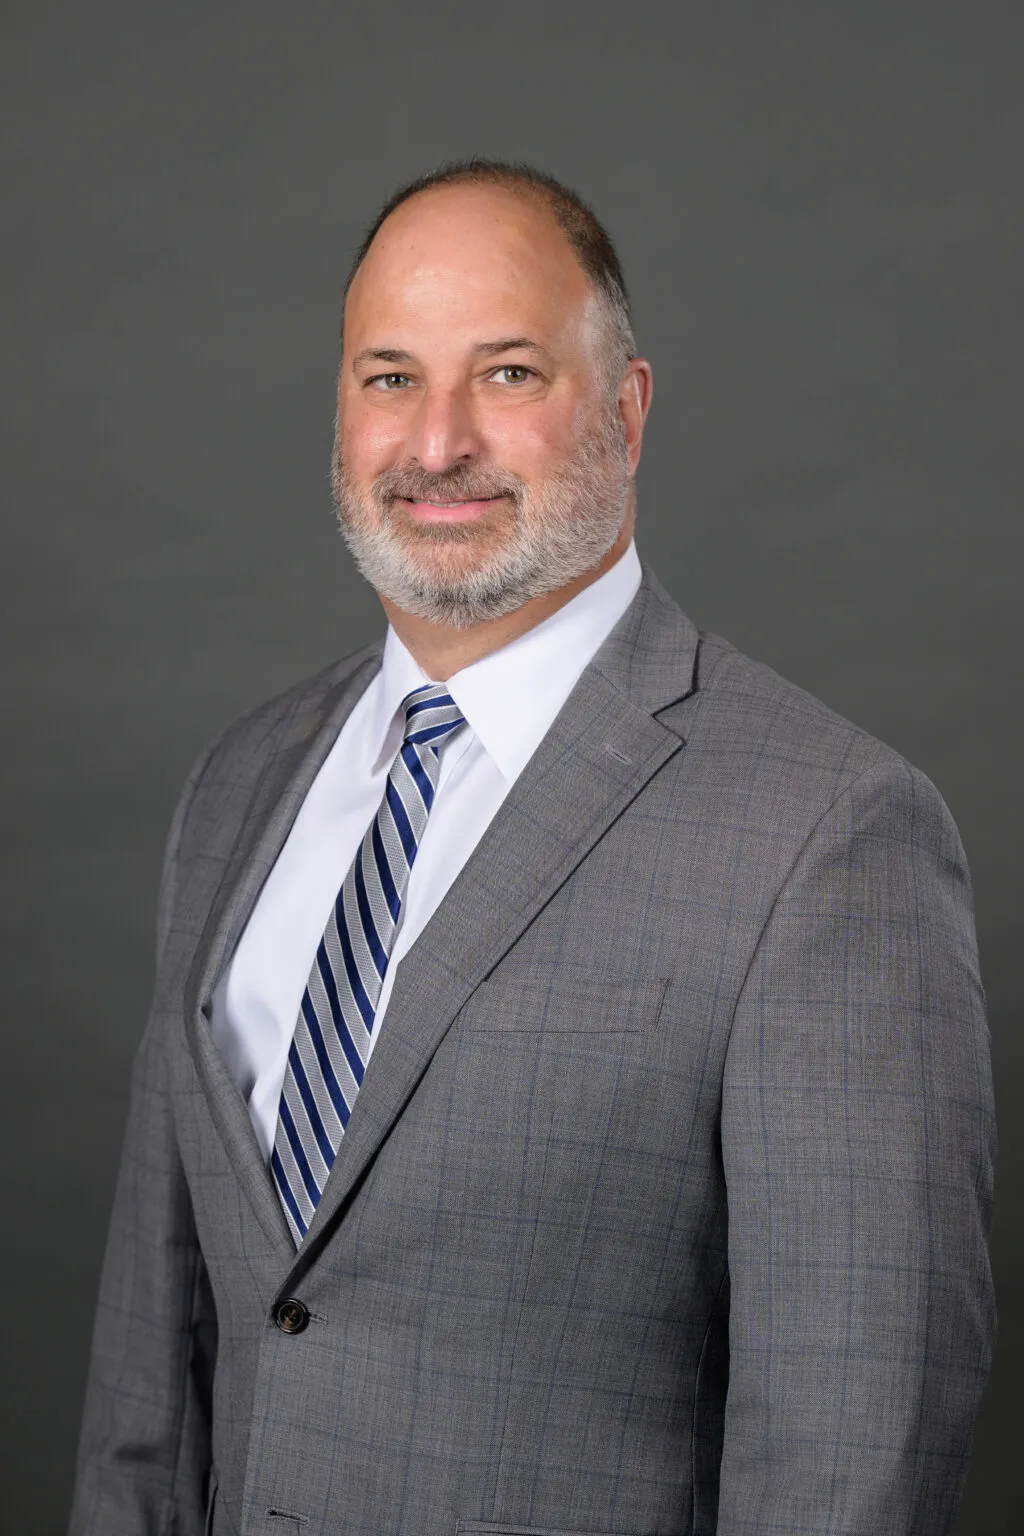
[(480, 456)]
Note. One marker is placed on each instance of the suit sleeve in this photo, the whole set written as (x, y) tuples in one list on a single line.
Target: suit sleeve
[(858, 1144), (144, 1451)]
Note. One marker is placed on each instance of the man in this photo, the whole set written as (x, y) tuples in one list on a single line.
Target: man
[(566, 1102)]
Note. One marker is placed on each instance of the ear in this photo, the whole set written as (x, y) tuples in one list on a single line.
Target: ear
[(635, 390)]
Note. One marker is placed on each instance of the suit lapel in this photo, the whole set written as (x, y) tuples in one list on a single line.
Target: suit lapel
[(302, 743), (600, 752)]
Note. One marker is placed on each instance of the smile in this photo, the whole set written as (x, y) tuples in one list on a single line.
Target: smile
[(448, 511)]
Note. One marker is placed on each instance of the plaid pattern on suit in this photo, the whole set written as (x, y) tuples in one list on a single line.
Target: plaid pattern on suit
[(663, 1207)]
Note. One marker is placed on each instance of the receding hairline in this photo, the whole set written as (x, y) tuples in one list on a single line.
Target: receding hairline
[(589, 241), (523, 191), (523, 194)]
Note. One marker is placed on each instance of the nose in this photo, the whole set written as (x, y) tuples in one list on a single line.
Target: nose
[(443, 430)]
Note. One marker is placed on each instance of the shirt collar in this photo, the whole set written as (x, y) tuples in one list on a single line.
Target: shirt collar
[(399, 674), (511, 697)]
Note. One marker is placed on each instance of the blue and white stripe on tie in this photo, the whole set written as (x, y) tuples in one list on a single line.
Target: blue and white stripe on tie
[(330, 1047)]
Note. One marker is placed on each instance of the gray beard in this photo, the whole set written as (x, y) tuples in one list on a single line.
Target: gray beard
[(554, 536)]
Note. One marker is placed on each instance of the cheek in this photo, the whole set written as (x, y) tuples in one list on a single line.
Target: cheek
[(533, 443), (370, 442)]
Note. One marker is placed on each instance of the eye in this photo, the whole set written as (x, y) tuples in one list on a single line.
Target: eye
[(389, 381), (512, 373)]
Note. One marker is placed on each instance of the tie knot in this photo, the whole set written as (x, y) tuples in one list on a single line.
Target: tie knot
[(431, 715)]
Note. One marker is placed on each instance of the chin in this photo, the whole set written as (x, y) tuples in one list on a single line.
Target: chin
[(450, 564), (452, 546)]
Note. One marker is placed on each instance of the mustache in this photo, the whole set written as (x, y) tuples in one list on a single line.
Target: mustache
[(462, 482)]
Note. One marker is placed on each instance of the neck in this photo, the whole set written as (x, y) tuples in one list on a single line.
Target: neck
[(442, 650)]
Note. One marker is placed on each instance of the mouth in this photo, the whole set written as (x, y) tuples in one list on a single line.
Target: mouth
[(447, 511)]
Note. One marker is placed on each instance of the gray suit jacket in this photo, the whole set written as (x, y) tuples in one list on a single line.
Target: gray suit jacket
[(663, 1207)]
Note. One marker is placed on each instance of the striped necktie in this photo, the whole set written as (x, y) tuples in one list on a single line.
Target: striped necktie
[(330, 1048)]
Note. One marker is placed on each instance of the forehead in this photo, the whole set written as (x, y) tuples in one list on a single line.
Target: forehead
[(455, 258)]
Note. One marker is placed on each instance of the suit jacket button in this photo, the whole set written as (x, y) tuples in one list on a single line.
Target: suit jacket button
[(291, 1316)]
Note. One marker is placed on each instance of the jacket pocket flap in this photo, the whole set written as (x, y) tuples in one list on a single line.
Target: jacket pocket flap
[(559, 1005)]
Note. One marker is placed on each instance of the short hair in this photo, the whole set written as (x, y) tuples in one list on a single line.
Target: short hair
[(585, 232)]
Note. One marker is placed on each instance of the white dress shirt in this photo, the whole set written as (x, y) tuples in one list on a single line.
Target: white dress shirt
[(509, 699)]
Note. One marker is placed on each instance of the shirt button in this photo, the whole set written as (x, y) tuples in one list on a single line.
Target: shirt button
[(291, 1316)]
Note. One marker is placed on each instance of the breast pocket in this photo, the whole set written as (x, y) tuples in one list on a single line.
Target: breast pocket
[(560, 1004)]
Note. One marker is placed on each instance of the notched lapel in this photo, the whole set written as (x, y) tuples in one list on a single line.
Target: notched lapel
[(598, 755), (293, 760)]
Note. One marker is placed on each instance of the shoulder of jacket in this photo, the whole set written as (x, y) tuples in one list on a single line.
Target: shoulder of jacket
[(267, 719), (749, 703)]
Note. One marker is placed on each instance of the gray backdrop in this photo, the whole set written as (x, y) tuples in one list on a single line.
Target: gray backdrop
[(819, 210)]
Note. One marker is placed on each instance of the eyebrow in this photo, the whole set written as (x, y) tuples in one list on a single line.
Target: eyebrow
[(381, 355), (507, 344), (482, 348)]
